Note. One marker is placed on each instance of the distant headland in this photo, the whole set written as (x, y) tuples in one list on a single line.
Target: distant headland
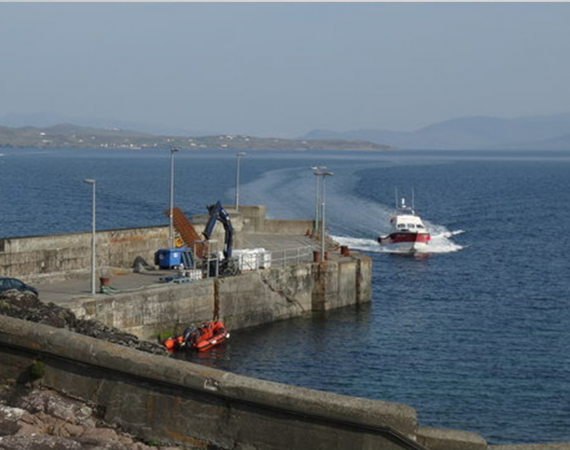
[(75, 136)]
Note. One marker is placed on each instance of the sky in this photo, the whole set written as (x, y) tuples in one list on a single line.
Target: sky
[(284, 69)]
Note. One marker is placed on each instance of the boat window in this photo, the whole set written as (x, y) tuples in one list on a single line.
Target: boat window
[(401, 225), (411, 225), (420, 226)]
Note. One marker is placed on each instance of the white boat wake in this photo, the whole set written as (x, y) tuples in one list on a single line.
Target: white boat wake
[(440, 243), (289, 193)]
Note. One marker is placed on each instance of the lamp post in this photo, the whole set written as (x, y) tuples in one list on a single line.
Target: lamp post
[(324, 175), (93, 183), (171, 213), (316, 169), (238, 157)]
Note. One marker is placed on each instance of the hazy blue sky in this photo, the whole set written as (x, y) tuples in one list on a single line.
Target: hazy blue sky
[(284, 69)]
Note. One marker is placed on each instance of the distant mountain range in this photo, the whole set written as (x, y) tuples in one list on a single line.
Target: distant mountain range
[(468, 133), (48, 119), (75, 136), (474, 133)]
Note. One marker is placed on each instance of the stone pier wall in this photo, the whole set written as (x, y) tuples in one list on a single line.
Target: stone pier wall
[(59, 256), (56, 257), (253, 298)]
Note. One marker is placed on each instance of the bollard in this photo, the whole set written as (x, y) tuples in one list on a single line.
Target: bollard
[(316, 256)]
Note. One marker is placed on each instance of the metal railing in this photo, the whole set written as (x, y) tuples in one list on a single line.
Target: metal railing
[(246, 262), (290, 256), (276, 258)]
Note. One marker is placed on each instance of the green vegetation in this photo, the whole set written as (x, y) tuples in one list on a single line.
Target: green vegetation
[(163, 335), (37, 370)]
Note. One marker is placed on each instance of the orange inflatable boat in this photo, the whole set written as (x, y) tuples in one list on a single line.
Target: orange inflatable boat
[(200, 338)]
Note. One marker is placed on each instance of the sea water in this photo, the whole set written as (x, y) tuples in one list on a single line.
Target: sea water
[(473, 335)]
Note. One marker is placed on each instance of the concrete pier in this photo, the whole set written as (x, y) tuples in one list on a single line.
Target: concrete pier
[(58, 267)]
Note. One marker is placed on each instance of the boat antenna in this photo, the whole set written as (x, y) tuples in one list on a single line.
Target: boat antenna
[(396, 192)]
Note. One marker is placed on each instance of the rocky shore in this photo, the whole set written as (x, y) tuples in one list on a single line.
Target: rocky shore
[(26, 306), (34, 418)]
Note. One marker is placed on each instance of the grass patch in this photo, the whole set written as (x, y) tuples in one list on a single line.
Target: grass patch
[(164, 335), (37, 370)]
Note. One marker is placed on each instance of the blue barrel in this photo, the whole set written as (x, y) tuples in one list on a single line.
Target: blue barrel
[(167, 258)]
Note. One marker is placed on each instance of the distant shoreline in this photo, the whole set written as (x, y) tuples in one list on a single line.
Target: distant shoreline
[(76, 137)]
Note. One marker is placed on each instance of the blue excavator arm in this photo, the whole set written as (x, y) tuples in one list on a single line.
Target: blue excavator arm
[(217, 212)]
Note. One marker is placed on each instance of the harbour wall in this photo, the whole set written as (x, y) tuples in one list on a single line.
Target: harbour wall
[(253, 298), (162, 399), (254, 220), (60, 256)]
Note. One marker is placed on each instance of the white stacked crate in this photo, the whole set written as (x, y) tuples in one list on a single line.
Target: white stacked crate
[(193, 275), (253, 259)]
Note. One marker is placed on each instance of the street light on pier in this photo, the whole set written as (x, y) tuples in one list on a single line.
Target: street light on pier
[(93, 184), (171, 213), (316, 169), (238, 157), (324, 175)]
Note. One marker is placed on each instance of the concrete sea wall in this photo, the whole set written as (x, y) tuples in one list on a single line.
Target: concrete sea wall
[(249, 299), (56, 257), (254, 221), (62, 255), (158, 398)]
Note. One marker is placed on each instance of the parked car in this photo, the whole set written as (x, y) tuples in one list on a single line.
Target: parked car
[(7, 284)]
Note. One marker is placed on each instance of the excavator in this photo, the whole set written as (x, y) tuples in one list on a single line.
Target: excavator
[(227, 266), (170, 258)]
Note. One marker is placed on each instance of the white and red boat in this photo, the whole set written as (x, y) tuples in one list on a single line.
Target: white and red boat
[(408, 233)]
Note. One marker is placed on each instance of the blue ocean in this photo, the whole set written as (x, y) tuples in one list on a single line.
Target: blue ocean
[(474, 335)]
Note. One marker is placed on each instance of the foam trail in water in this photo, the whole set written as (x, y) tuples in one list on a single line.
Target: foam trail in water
[(366, 245), (356, 221), (290, 194)]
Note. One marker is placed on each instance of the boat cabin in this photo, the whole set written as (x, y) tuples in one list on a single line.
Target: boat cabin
[(406, 220)]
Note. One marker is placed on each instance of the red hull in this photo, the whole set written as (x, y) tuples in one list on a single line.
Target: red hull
[(397, 238), (214, 334)]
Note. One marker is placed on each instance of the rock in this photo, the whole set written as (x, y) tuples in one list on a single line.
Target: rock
[(126, 440), (28, 430), (26, 306), (74, 430), (42, 419), (28, 419), (50, 403), (9, 418), (98, 436), (38, 442)]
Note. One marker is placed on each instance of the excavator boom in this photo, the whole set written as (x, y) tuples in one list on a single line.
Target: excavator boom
[(217, 212)]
